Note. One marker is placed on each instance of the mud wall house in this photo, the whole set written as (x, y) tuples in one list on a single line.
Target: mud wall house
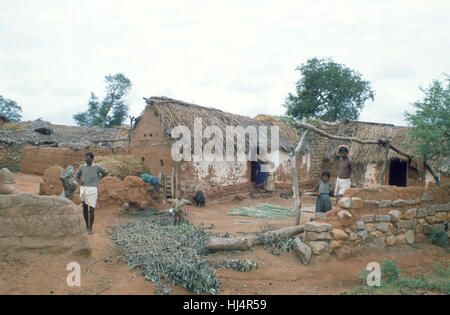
[(151, 141), (32, 147), (369, 159)]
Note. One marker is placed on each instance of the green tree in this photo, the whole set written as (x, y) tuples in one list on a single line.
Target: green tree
[(10, 109), (328, 91), (430, 123), (112, 110)]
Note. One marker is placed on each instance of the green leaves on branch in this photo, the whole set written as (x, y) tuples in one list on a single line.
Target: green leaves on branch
[(112, 110), (10, 109), (431, 121), (328, 91)]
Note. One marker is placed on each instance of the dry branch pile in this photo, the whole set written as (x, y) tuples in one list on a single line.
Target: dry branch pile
[(165, 253)]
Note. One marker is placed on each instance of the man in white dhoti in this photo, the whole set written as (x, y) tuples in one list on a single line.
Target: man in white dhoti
[(345, 170), (88, 176)]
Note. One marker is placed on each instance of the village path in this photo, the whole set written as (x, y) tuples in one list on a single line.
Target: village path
[(44, 273)]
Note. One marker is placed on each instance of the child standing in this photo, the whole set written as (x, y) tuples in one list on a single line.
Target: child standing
[(324, 187), (178, 204)]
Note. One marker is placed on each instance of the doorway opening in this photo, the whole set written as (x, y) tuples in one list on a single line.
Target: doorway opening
[(398, 173)]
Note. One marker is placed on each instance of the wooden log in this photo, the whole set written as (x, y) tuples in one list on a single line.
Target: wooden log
[(430, 169), (246, 242)]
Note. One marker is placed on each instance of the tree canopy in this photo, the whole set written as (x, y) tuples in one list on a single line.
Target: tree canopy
[(10, 109), (329, 91), (112, 110), (430, 123)]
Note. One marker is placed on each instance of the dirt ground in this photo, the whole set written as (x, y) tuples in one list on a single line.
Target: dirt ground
[(43, 273)]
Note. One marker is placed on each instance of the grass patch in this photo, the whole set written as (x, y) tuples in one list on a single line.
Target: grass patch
[(264, 211), (438, 280)]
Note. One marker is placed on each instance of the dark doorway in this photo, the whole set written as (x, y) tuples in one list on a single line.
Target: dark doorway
[(397, 173)]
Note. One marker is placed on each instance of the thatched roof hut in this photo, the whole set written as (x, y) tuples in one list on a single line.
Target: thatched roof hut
[(363, 153), (173, 113)]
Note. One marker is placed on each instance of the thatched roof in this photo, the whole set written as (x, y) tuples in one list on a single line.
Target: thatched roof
[(43, 133), (173, 113), (365, 153)]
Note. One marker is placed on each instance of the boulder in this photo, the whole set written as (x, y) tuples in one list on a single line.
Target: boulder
[(399, 203), (379, 242), (385, 203), (370, 227), (336, 244), (345, 202), (319, 247), (357, 203), (368, 218), (318, 227), (400, 239), (321, 236), (409, 236), (353, 236), (427, 197), (7, 182), (410, 224), (29, 221), (363, 234), (50, 182), (321, 215), (395, 215), (338, 234), (410, 213), (360, 225), (440, 217), (423, 212), (390, 241), (302, 250), (371, 203), (345, 217), (384, 227), (382, 218)]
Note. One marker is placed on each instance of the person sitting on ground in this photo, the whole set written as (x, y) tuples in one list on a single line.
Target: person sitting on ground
[(178, 204), (324, 187), (345, 169), (89, 176), (152, 180)]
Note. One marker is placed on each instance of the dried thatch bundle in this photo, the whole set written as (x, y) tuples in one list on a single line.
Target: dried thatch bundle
[(122, 166)]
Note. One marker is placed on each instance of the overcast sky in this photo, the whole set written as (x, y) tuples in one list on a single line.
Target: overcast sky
[(237, 56)]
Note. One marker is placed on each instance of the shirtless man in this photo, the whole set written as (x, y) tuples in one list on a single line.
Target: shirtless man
[(346, 168)]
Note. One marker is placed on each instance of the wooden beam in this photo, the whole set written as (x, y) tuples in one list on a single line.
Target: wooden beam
[(385, 163)]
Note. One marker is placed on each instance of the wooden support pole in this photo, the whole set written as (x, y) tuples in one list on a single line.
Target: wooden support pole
[(297, 202), (385, 163)]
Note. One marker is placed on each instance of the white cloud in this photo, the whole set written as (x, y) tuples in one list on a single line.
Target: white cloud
[(239, 56)]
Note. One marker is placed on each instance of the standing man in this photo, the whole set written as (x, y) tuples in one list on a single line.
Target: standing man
[(346, 168), (88, 176)]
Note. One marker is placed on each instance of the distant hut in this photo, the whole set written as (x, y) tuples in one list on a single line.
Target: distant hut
[(369, 159), (152, 141)]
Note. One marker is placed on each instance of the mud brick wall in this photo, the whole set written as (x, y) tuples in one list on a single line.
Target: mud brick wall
[(319, 144), (11, 157)]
